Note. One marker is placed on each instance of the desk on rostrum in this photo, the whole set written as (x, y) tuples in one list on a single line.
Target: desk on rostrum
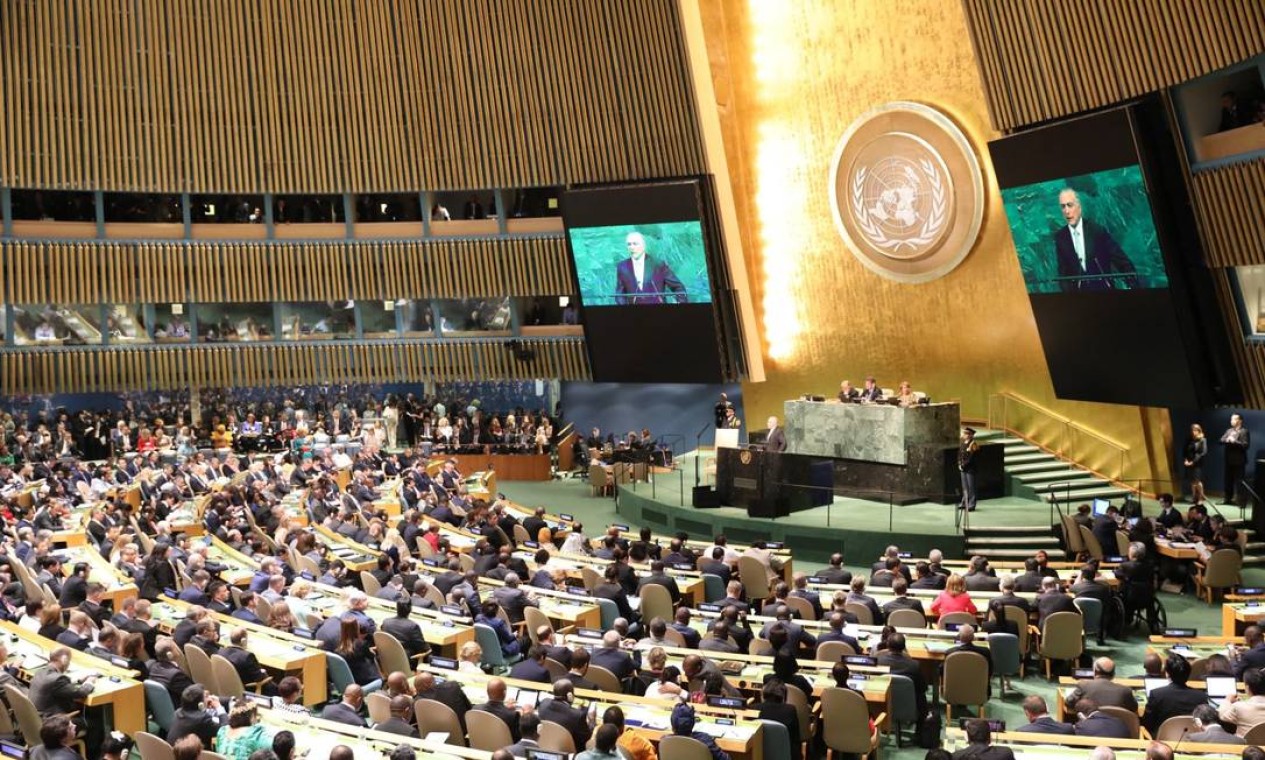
[(881, 450)]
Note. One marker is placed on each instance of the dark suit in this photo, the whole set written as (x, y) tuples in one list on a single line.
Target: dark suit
[(1048, 604), (1103, 726), (981, 582), (170, 675), (717, 568), (52, 692), (691, 636), (1168, 701), (614, 660), (530, 670), (409, 633), (508, 715), (661, 579), (835, 575), (904, 665), (1028, 582), (245, 663), (776, 441), (573, 719), (713, 644), (903, 603), (200, 722), (1102, 257), (342, 713), (1047, 725), (657, 279), (450, 693), (394, 725), (981, 752)]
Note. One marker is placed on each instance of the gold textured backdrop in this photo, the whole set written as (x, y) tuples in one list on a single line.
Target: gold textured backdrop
[(790, 77)]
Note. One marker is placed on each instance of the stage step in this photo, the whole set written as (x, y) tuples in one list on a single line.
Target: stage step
[(1084, 482), (1002, 542), (1009, 530), (1052, 464), (1003, 554), (1030, 458), (1078, 497), (1034, 478)]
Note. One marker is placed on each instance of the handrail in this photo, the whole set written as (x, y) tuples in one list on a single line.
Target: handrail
[(1068, 424)]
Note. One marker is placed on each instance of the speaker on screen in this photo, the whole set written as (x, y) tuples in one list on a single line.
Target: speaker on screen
[(643, 259), (1104, 234)]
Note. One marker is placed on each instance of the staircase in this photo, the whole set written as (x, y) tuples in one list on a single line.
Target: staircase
[(1015, 542), (1033, 473)]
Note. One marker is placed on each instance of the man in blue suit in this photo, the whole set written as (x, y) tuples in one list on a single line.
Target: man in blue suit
[(1039, 720), (641, 280)]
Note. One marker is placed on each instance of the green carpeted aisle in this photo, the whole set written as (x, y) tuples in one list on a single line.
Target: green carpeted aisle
[(573, 497)]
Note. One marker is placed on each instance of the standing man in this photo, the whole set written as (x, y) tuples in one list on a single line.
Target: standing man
[(1085, 249), (776, 439), (1236, 440), (966, 466), (721, 409), (641, 280)]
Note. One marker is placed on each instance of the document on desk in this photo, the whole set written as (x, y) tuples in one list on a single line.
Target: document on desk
[(713, 729)]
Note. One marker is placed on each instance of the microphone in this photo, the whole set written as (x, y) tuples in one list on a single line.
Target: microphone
[(1180, 739)]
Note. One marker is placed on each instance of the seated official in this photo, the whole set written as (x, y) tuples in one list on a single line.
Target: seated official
[(980, 744), (199, 715), (1174, 698), (510, 646), (683, 721), (1244, 713), (1039, 720), (1052, 600), (1208, 728), (1094, 722), (532, 667), (58, 735), (347, 711), (954, 598), (1102, 689), (497, 705)]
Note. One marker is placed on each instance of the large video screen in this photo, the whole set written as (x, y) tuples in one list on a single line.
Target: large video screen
[(641, 264), (1104, 234), (1088, 233), (643, 268)]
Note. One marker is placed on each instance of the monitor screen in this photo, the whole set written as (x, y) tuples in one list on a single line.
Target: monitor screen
[(1221, 686), (1150, 684), (643, 269), (658, 264), (1106, 249), (1089, 232), (1100, 506)]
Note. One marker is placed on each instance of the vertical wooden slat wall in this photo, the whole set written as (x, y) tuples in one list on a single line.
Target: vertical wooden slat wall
[(334, 96), (1110, 51)]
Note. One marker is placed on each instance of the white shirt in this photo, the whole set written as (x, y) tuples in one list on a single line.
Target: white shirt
[(639, 271), (1078, 240)]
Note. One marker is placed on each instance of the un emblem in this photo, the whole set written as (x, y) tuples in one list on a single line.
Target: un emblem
[(906, 192)]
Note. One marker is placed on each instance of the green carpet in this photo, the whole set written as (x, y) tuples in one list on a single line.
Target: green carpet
[(573, 497)]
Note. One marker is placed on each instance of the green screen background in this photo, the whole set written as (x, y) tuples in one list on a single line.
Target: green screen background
[(598, 250), (1116, 199)]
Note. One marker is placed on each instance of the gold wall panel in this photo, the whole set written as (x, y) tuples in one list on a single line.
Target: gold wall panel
[(789, 78), (213, 272), (113, 370), (1044, 59), (334, 96)]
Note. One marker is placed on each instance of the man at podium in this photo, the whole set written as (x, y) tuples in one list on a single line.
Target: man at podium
[(775, 441)]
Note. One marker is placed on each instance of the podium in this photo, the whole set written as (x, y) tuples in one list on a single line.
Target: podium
[(767, 484)]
